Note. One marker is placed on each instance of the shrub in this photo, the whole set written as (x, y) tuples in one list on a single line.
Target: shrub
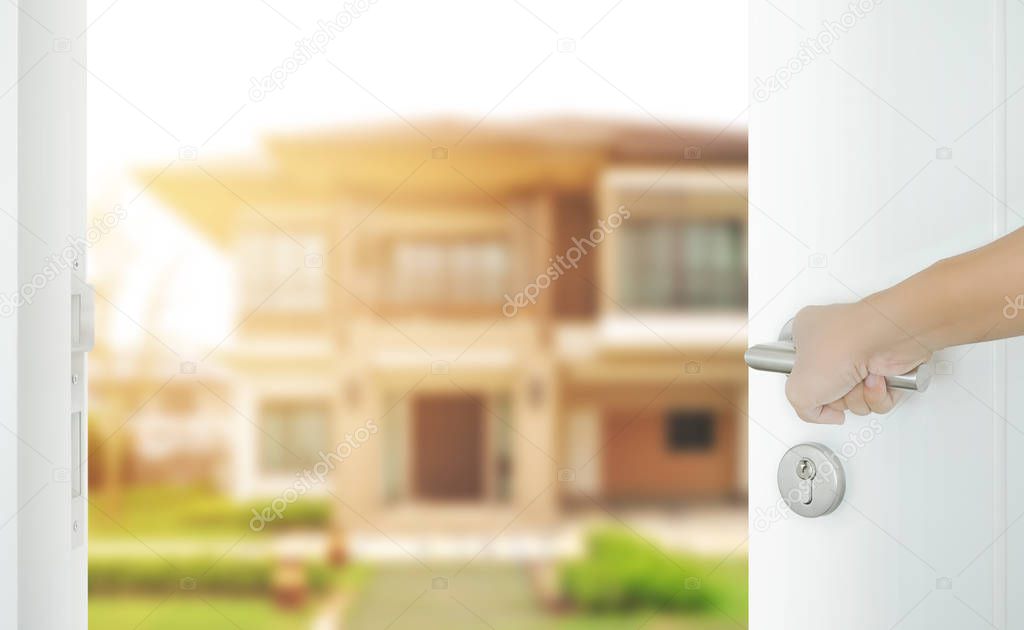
[(306, 513), (204, 574), (622, 571)]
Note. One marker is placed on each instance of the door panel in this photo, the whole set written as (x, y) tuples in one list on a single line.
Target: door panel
[(877, 157)]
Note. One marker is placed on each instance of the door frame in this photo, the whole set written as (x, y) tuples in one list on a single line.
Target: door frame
[(43, 557)]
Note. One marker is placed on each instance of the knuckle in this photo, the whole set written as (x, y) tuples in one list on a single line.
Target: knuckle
[(873, 397), (793, 392)]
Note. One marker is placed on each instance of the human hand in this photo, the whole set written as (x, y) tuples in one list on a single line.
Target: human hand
[(844, 351)]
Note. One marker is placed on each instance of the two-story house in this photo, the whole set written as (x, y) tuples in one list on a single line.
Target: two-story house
[(468, 328)]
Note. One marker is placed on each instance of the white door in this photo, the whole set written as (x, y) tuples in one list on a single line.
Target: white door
[(43, 243), (886, 135)]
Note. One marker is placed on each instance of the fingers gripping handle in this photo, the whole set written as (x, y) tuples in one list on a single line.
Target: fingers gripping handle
[(781, 356)]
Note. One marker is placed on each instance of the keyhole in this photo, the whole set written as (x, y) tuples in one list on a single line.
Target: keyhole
[(805, 471)]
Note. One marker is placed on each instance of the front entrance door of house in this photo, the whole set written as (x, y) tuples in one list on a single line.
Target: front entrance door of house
[(448, 447)]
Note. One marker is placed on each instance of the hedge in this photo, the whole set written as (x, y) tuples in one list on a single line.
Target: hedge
[(621, 571), (203, 574)]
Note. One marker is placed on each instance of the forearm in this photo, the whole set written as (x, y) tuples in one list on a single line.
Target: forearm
[(966, 299)]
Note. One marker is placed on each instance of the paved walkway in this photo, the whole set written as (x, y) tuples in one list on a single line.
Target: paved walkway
[(331, 613), (706, 531), (495, 597), (414, 598)]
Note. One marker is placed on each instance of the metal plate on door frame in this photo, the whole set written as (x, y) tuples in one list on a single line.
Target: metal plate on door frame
[(811, 480)]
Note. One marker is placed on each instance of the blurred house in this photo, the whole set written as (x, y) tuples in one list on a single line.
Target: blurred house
[(472, 328)]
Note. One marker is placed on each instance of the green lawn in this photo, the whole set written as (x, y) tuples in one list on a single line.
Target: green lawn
[(185, 612), (499, 596), (189, 512)]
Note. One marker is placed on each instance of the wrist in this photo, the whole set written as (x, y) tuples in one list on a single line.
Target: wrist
[(888, 346)]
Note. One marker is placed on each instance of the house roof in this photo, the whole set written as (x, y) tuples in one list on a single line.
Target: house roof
[(420, 160)]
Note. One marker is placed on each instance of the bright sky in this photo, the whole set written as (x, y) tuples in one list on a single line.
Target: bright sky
[(167, 75)]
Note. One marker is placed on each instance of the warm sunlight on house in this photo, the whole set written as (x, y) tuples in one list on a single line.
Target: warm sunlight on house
[(534, 324)]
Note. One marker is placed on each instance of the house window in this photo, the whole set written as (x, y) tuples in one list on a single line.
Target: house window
[(672, 264), (275, 275), (293, 435), (687, 430), (452, 272)]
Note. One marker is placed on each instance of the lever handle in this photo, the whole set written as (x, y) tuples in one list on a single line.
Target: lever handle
[(781, 356)]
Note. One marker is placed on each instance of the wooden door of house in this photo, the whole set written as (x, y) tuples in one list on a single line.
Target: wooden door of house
[(448, 447)]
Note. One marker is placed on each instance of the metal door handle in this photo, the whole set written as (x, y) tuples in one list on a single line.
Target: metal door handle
[(781, 356)]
